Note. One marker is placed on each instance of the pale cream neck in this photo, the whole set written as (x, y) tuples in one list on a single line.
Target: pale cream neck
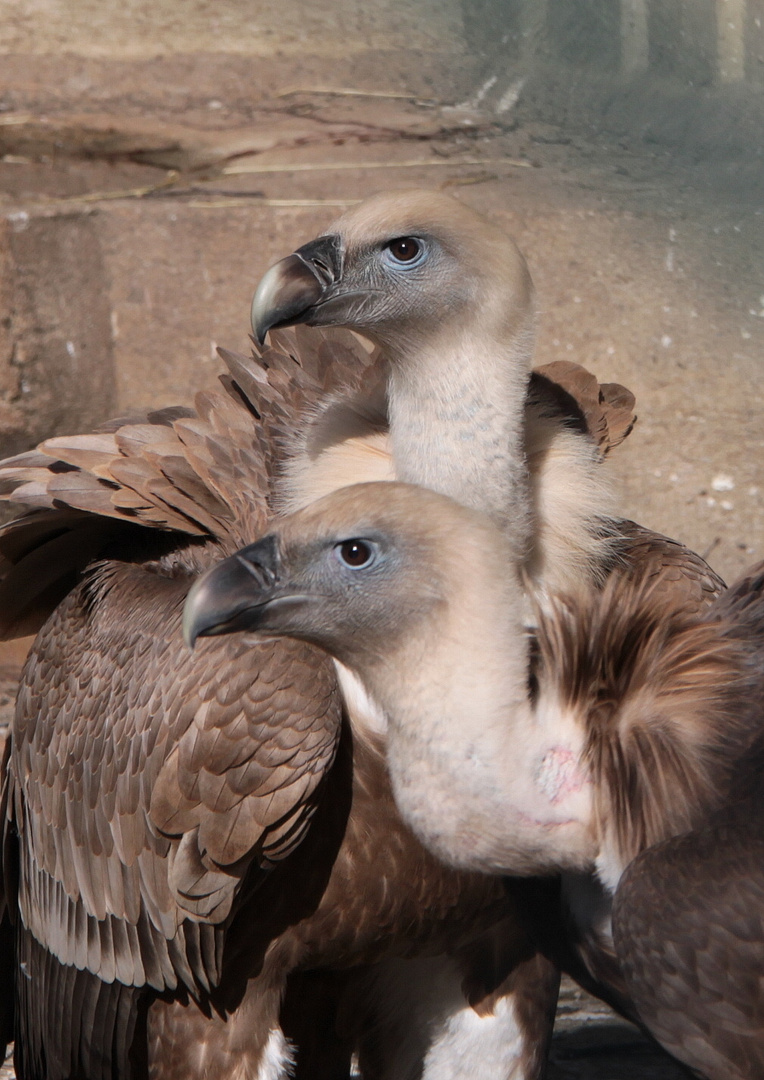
[(485, 779), (457, 410)]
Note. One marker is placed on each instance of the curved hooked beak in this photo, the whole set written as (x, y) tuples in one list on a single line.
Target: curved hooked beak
[(293, 289), (240, 593)]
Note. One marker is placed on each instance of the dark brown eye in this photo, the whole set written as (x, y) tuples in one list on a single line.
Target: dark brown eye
[(355, 553), (405, 249)]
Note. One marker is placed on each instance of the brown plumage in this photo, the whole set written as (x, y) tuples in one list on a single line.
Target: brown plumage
[(636, 755), (673, 710), (688, 917), (159, 804), (660, 697)]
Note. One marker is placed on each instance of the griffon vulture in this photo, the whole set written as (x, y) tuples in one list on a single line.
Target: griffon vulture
[(636, 752), (186, 830)]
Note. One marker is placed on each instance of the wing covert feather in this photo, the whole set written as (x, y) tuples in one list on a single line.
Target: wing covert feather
[(604, 411), (143, 799), (687, 583), (689, 929)]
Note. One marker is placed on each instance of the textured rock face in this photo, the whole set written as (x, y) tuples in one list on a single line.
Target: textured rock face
[(56, 364)]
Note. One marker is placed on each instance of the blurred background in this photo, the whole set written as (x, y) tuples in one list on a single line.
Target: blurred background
[(156, 157)]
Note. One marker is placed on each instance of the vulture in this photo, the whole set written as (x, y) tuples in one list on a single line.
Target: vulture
[(204, 869), (635, 750)]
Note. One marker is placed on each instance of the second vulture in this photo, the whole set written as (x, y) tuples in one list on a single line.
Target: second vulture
[(637, 753)]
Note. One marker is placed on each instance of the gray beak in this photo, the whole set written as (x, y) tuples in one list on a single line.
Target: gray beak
[(292, 290), (235, 594)]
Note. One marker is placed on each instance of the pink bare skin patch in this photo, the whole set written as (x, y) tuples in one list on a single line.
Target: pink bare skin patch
[(559, 774)]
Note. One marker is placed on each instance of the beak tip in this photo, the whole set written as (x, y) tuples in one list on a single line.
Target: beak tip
[(259, 327), (289, 292), (228, 595), (193, 625)]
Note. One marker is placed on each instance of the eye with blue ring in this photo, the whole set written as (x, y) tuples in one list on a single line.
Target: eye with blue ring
[(405, 251), (355, 554)]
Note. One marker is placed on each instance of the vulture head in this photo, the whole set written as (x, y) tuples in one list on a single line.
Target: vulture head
[(400, 268), (448, 298), (346, 574)]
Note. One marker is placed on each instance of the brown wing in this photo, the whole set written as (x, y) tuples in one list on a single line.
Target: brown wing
[(203, 473), (685, 582), (145, 777), (144, 782), (688, 918), (688, 923), (567, 391)]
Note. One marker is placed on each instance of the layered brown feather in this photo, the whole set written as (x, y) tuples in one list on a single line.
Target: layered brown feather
[(688, 916)]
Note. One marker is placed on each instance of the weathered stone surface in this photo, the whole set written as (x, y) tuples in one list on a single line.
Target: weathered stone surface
[(56, 369)]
